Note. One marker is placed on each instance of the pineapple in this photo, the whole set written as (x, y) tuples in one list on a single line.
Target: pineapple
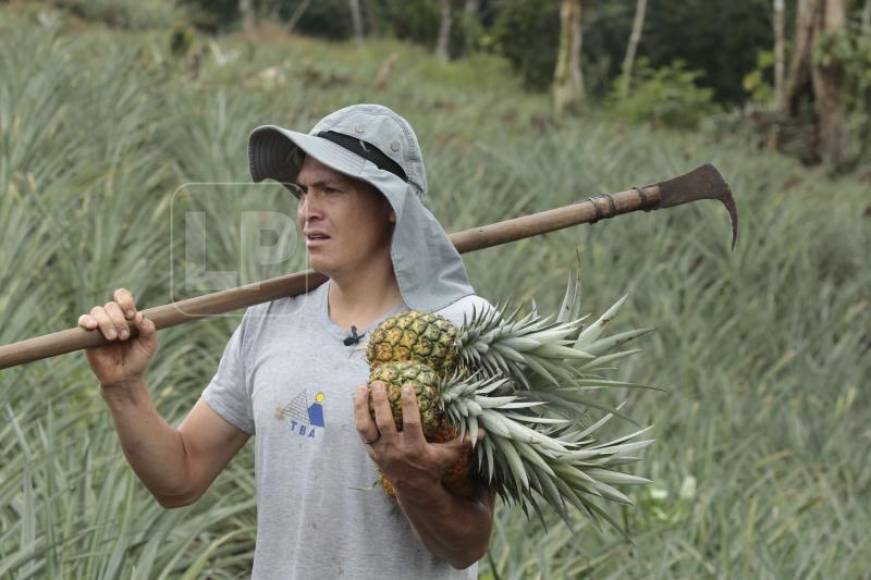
[(425, 382), (523, 380), (487, 342), (436, 429), (414, 336)]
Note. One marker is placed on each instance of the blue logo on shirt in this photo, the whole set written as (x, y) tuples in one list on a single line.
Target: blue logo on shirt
[(303, 419)]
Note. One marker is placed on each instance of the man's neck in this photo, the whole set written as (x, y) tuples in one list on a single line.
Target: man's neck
[(362, 298)]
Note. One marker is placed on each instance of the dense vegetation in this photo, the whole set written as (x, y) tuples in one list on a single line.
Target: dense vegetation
[(761, 465)]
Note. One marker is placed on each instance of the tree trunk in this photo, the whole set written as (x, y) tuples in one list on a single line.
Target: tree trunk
[(249, 18), (798, 77), (568, 86), (866, 18), (778, 52), (297, 15), (827, 84), (632, 47), (444, 40), (374, 25), (357, 20), (819, 79), (471, 7)]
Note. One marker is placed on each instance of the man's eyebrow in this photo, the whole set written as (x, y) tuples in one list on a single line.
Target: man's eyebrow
[(329, 182)]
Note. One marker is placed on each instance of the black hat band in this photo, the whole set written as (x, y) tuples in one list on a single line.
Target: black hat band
[(366, 151)]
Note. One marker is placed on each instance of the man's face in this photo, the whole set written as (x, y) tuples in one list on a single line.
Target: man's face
[(346, 223)]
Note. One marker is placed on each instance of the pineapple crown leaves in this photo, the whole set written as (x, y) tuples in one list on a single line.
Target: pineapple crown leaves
[(556, 349), (571, 304), (507, 344), (531, 455), (523, 475), (588, 340)]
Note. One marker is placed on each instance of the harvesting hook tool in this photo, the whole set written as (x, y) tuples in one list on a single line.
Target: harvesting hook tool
[(704, 182)]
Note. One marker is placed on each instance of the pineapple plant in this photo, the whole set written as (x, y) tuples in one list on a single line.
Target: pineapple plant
[(524, 380)]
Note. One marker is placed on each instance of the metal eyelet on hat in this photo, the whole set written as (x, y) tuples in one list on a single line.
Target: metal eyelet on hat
[(361, 128), (394, 146)]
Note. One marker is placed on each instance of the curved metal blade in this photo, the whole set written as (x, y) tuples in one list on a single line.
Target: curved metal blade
[(705, 182)]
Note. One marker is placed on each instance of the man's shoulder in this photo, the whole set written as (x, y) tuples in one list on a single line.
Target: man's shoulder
[(281, 311), (464, 308)]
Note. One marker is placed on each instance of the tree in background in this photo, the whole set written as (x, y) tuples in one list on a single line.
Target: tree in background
[(524, 31), (815, 74), (372, 17), (296, 15), (442, 50), (779, 50), (632, 46), (827, 82), (356, 20), (810, 91), (248, 14), (568, 85)]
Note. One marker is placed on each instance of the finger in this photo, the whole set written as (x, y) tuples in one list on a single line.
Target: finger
[(143, 324), (145, 327), (105, 324), (87, 322), (449, 452), (459, 443), (411, 427), (383, 414), (362, 419), (117, 316), (125, 300)]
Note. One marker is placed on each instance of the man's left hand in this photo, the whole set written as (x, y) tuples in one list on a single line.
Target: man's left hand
[(411, 463)]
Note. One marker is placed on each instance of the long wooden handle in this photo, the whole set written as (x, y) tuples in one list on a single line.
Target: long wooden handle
[(77, 338)]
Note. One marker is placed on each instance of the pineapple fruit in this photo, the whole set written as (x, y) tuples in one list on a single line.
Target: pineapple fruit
[(426, 388), (524, 381), (414, 336), (436, 428)]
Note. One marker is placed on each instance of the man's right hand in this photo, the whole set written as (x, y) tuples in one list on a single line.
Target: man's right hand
[(123, 362)]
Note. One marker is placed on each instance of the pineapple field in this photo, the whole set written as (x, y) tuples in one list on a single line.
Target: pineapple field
[(761, 466)]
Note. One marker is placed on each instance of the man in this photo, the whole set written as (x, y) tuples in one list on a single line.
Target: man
[(289, 371)]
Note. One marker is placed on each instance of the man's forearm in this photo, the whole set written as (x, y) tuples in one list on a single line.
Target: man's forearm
[(452, 527), (153, 448)]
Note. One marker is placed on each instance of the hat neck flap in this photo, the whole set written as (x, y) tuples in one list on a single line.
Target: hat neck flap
[(428, 268)]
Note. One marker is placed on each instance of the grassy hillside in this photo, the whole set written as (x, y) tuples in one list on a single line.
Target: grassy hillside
[(762, 466)]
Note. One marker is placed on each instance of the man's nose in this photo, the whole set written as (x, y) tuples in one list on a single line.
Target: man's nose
[(309, 208)]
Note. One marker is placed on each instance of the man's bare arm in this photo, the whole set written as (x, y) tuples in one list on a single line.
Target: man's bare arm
[(177, 466), (454, 528)]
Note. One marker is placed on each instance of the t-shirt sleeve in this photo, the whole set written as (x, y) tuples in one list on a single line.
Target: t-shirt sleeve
[(464, 308), (228, 393)]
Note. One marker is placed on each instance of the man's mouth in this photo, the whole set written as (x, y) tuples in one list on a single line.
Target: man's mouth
[(315, 238)]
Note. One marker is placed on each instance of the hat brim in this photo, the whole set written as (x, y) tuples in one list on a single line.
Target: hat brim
[(271, 154)]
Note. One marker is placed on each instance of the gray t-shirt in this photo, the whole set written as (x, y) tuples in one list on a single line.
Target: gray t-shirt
[(287, 377)]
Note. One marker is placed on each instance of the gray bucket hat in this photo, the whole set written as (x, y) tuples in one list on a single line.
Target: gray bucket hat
[(374, 144)]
